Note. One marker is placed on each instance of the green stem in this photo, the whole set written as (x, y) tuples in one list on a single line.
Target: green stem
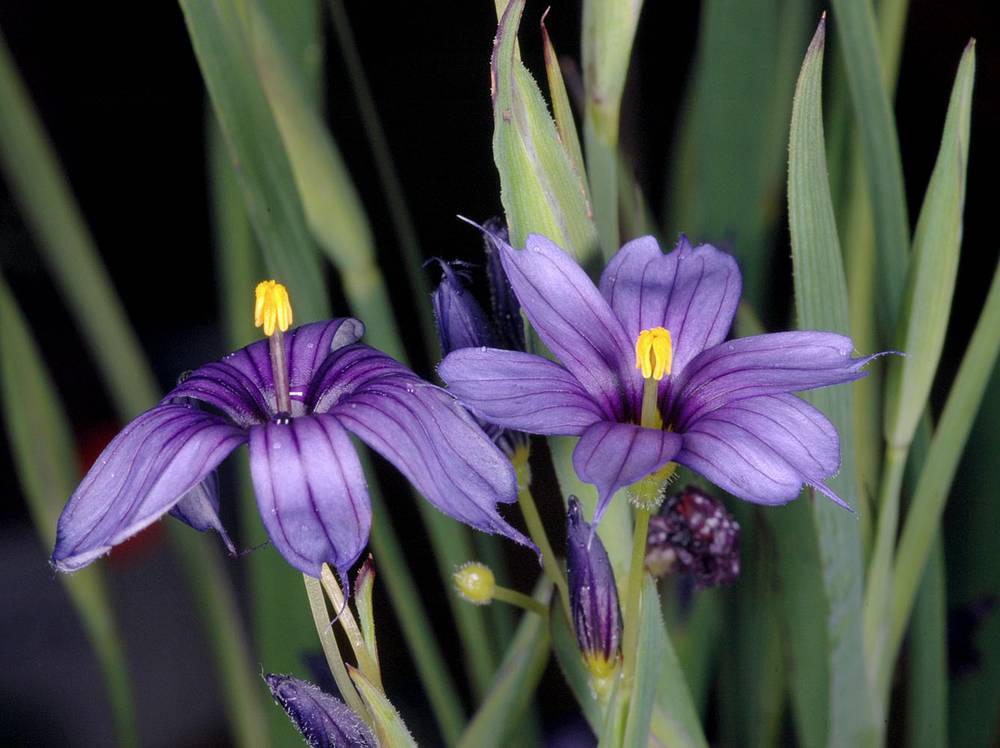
[(412, 618), (513, 597), (879, 590), (328, 640), (633, 598), (350, 627), (526, 500)]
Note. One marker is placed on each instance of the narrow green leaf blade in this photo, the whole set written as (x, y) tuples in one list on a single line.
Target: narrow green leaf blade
[(561, 109), (880, 143), (974, 578), (42, 447), (651, 647), (40, 187), (933, 487), (515, 681), (927, 687), (571, 664), (223, 48), (821, 302), (606, 48), (934, 265), (539, 188)]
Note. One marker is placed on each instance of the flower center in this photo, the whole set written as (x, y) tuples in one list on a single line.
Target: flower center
[(272, 310), (654, 353)]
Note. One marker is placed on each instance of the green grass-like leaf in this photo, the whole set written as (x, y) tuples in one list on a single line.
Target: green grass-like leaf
[(539, 188), (821, 302), (223, 47), (516, 679), (880, 143)]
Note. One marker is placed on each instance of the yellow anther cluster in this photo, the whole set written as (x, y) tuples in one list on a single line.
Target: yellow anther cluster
[(272, 308), (654, 353), (475, 582)]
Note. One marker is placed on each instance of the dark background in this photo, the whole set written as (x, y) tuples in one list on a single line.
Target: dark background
[(119, 90)]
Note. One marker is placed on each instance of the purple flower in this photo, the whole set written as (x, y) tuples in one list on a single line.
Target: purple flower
[(310, 487), (597, 618), (694, 533), (646, 379), (324, 721)]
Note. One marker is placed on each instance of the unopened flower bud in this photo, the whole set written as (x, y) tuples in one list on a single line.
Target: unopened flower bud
[(593, 596), (693, 533), (324, 721), (475, 582)]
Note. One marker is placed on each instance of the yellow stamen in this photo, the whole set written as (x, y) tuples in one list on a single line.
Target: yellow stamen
[(272, 307), (654, 353)]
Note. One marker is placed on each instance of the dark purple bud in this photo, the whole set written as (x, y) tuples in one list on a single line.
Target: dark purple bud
[(324, 721), (461, 322), (593, 597), (506, 307), (693, 533)]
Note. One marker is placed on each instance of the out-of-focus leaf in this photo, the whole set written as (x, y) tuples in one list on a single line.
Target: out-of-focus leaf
[(974, 581), (395, 200), (224, 51), (516, 679), (36, 180), (606, 48), (752, 677), (933, 487), (821, 302), (539, 188), (927, 687), (84, 283), (727, 181), (873, 113), (389, 726), (42, 448), (695, 637), (931, 282), (803, 603), (332, 207)]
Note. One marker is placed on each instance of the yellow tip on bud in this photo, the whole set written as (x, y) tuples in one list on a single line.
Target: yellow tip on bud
[(654, 353), (475, 582), (272, 307), (602, 674)]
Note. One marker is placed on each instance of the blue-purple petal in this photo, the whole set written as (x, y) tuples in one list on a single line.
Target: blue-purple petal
[(519, 391), (242, 386), (199, 508), (323, 720), (692, 292), (141, 475), (575, 322), (762, 365), (311, 492), (763, 449), (615, 455), (430, 438)]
